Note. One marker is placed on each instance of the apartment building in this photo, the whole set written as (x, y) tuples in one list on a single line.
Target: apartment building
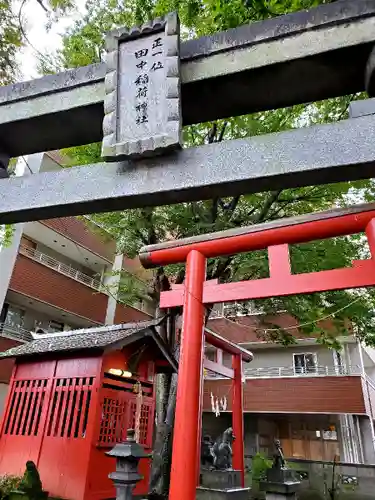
[(318, 402), (56, 275)]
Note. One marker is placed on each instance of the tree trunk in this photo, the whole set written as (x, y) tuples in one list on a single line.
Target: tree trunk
[(166, 405), (162, 452)]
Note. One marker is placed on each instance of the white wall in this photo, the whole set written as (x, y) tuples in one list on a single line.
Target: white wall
[(8, 254), (112, 283), (368, 445), (283, 356)]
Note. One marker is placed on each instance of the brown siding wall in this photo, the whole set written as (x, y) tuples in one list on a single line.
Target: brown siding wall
[(76, 230), (135, 267), (125, 314), (38, 281), (294, 395)]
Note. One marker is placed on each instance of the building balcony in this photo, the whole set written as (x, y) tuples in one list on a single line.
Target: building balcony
[(15, 332), (78, 232), (40, 278), (290, 371), (60, 267), (328, 389)]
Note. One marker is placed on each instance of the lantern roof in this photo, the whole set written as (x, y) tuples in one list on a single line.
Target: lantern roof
[(102, 338)]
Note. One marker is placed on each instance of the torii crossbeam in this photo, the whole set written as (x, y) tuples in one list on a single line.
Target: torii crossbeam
[(227, 74)]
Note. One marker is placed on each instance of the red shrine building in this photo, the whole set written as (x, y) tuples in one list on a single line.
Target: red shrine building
[(72, 397), (56, 276)]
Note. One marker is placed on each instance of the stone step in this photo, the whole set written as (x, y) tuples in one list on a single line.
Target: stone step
[(222, 494), (220, 479)]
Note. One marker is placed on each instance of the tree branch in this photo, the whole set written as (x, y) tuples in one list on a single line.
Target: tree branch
[(222, 132), (151, 234), (214, 209), (272, 198), (212, 133)]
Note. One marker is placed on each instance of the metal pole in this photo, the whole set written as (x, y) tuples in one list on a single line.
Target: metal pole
[(237, 418), (187, 422), (365, 390), (362, 455)]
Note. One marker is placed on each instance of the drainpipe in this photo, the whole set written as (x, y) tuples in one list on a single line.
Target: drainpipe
[(366, 392)]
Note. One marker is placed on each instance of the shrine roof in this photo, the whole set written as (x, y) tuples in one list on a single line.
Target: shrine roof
[(99, 338)]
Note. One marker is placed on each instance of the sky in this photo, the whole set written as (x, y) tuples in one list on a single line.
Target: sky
[(40, 39)]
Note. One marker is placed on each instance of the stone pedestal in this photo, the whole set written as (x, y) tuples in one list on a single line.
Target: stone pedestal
[(280, 484), (221, 485)]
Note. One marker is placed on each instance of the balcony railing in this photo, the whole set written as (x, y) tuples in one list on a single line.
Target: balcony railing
[(290, 371), (15, 332), (64, 269)]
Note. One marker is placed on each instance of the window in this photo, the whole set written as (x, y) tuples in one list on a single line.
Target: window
[(15, 317), (339, 363), (55, 326), (245, 308), (305, 363), (232, 309)]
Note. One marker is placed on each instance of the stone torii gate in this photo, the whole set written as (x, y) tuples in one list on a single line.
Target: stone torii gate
[(149, 85)]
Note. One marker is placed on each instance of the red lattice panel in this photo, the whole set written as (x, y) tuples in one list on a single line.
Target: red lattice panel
[(25, 408), (114, 421), (69, 408), (118, 415), (145, 421)]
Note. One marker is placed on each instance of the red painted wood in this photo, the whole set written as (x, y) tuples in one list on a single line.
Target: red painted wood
[(362, 274), (226, 345), (292, 234), (199, 435), (220, 369), (370, 233), (60, 421), (237, 418), (279, 262), (187, 422), (7, 401), (327, 395)]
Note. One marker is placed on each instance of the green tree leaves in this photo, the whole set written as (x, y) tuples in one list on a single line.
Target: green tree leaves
[(132, 229)]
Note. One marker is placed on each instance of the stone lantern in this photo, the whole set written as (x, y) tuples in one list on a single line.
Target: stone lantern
[(127, 456)]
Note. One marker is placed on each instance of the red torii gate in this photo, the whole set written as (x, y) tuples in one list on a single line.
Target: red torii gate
[(276, 236)]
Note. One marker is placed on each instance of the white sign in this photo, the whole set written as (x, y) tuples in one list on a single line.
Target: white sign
[(142, 102)]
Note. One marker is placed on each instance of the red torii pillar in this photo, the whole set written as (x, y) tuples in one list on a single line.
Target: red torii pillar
[(188, 419), (237, 418), (187, 427)]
